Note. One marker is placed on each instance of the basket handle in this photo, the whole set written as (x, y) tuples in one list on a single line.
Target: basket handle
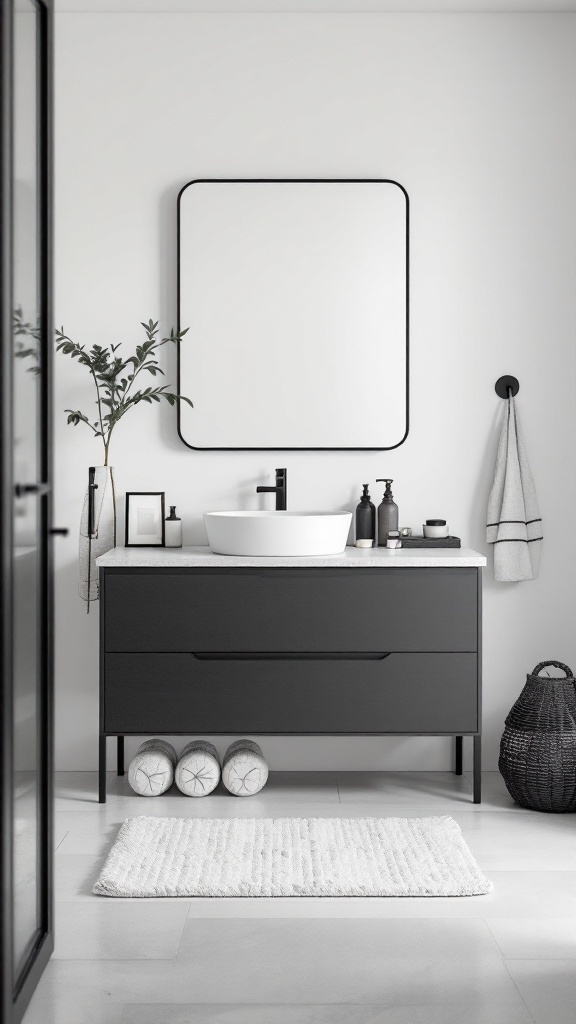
[(557, 664)]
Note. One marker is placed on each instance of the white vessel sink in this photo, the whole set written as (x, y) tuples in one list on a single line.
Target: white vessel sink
[(275, 534)]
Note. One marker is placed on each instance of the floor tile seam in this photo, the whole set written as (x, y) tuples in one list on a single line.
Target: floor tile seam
[(93, 854), (269, 901), (58, 845), (498, 950), (287, 1004), (539, 871), (528, 1010), (296, 800), (437, 905), (487, 921), (60, 856), (182, 929), (472, 958), (538, 959), (511, 870), (120, 1007), (66, 902), (261, 919), (419, 799), (93, 900), (356, 901), (475, 958), (179, 943), (58, 958)]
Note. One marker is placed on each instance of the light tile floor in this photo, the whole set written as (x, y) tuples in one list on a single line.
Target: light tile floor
[(505, 958)]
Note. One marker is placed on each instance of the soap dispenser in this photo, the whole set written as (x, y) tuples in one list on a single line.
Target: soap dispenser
[(365, 520), (173, 529), (387, 513)]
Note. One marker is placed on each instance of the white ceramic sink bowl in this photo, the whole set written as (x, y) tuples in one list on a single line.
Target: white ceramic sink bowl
[(289, 534)]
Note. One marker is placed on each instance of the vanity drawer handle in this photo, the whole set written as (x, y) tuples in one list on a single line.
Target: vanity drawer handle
[(291, 656)]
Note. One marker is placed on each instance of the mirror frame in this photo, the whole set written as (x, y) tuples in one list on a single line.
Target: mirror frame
[(292, 181)]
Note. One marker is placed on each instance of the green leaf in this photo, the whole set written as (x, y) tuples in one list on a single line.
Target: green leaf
[(110, 376)]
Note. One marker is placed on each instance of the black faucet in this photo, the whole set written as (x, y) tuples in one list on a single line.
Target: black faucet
[(280, 490)]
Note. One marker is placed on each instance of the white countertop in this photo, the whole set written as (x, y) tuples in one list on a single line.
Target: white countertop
[(371, 558)]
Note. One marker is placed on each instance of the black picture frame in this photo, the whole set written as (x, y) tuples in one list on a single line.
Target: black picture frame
[(162, 503), (291, 181)]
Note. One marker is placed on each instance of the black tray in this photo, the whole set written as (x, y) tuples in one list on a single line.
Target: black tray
[(430, 542)]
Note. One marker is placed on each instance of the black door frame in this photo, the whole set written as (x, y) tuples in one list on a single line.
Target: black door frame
[(15, 994)]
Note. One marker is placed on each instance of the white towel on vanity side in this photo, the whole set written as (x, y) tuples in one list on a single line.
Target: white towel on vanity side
[(514, 523)]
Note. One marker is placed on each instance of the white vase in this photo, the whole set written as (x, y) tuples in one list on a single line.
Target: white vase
[(97, 530)]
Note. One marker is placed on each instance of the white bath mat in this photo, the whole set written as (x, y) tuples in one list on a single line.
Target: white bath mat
[(290, 857)]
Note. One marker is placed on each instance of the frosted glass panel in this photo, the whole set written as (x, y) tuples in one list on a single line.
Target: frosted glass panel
[(27, 555), (295, 295)]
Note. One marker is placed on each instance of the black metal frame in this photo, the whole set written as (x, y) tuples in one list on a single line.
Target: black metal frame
[(149, 494), (458, 737), (304, 181), (6, 485), (16, 994)]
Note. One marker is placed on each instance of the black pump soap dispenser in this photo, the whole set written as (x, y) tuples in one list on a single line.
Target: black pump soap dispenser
[(387, 513), (365, 520)]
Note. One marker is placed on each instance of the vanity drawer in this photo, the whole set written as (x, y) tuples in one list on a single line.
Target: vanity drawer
[(376, 610), (182, 693)]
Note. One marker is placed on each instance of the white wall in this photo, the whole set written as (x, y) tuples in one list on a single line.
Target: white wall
[(474, 114)]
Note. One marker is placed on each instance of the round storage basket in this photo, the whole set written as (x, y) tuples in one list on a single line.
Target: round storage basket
[(151, 770), (198, 770), (244, 771), (538, 748)]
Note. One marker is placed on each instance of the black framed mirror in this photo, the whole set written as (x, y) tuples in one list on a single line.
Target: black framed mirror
[(295, 293)]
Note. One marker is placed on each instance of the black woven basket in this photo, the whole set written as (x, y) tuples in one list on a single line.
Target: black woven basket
[(538, 748)]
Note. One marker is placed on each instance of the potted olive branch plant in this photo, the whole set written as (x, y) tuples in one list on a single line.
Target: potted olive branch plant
[(114, 379)]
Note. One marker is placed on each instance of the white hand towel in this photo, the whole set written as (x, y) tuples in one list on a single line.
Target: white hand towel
[(514, 523)]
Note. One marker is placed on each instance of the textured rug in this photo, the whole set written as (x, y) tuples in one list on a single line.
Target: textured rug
[(290, 857)]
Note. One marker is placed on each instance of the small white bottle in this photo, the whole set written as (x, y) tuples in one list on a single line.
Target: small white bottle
[(173, 530)]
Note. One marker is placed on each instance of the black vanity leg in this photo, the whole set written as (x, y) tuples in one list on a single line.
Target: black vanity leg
[(458, 748), (477, 769), (120, 755), (102, 769)]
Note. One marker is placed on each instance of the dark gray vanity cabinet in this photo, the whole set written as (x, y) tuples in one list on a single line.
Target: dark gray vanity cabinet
[(282, 651)]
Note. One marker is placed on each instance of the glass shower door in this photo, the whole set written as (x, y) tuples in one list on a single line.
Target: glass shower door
[(28, 597), (26, 937)]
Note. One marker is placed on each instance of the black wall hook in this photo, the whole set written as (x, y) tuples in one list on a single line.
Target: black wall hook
[(507, 386)]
